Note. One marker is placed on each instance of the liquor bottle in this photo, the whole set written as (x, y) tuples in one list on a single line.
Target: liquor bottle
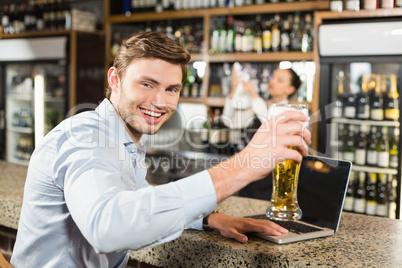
[(372, 153), (361, 146), (391, 193), (350, 106), (276, 34), (392, 103), (337, 108), (40, 23), (349, 146), (349, 198), (222, 39), (353, 5), (394, 148), (376, 107), (363, 101), (371, 85), (382, 201), (214, 46), (360, 194), (285, 36), (257, 42), (370, 4), (383, 149), (267, 37), (230, 35), (389, 4), (247, 41), (296, 34), (307, 38), (239, 36), (218, 134), (340, 146), (371, 202), (336, 5)]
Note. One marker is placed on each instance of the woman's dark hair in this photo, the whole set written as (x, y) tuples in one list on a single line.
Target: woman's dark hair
[(294, 81)]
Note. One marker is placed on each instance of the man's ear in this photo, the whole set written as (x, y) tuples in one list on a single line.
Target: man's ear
[(291, 90), (113, 79)]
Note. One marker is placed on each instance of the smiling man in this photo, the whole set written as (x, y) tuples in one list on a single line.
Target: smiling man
[(86, 201)]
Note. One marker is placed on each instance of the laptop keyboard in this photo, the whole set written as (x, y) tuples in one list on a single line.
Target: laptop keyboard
[(297, 227)]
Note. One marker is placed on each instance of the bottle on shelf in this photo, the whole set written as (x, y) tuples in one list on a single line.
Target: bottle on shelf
[(218, 134), (371, 195), (230, 35), (391, 193), (285, 36), (394, 148), (360, 194), (267, 37), (296, 35), (307, 38), (239, 36), (363, 101), (349, 109), (342, 134), (361, 146), (376, 107), (337, 108), (391, 105), (372, 153), (350, 198), (383, 149), (257, 42), (276, 34), (349, 146), (382, 202)]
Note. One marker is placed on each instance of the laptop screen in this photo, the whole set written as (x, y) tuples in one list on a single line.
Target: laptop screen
[(321, 190)]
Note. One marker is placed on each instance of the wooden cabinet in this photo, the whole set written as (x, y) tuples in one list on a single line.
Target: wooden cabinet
[(114, 16)]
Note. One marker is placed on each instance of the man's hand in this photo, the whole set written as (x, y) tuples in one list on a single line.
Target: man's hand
[(235, 227)]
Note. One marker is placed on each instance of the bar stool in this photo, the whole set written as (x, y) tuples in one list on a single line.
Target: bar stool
[(4, 263)]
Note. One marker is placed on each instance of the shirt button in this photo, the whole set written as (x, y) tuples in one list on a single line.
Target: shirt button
[(200, 216), (132, 150)]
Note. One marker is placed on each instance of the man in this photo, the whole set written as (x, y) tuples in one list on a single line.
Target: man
[(86, 201)]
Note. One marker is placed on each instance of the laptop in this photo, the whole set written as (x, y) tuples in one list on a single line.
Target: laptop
[(321, 192)]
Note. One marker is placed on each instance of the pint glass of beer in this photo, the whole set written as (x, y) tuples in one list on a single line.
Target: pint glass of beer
[(284, 205)]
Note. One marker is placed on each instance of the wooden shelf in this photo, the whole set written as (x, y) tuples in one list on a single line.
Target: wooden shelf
[(223, 11), (45, 34), (393, 12), (261, 57)]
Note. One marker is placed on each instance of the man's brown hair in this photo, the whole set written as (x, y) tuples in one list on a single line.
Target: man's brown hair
[(150, 45)]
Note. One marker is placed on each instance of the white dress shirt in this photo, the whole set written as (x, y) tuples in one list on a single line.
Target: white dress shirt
[(87, 203)]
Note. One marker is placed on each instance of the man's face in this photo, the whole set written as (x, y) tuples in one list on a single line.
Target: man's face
[(147, 96)]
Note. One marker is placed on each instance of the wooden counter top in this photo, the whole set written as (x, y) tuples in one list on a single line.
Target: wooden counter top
[(361, 241)]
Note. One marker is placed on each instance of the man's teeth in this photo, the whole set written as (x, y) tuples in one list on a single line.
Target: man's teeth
[(151, 113)]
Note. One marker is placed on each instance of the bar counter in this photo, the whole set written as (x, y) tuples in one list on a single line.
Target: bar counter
[(361, 241)]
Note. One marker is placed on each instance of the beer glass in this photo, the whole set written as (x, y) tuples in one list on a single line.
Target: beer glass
[(284, 205)]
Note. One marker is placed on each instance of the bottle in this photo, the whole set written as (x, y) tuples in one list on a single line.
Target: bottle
[(5, 18), (257, 42), (267, 37), (307, 38), (222, 43), (361, 146), (360, 194), (394, 149), (376, 108), (218, 134), (370, 4), (353, 5), (382, 201), (383, 149), (336, 5), (350, 102), (363, 101), (349, 198), (296, 34), (276, 34), (239, 36), (337, 108), (392, 103), (342, 134), (285, 36), (371, 202), (230, 35), (372, 153), (40, 23), (349, 147), (391, 193)]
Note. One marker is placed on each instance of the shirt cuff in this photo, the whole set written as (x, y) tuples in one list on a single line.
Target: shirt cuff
[(198, 197)]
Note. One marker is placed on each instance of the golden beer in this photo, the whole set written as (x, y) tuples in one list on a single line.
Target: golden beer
[(284, 205)]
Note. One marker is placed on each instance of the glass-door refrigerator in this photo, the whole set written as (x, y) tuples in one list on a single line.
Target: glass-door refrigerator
[(360, 84), (34, 92)]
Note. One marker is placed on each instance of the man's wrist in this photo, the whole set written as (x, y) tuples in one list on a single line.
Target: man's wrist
[(205, 224)]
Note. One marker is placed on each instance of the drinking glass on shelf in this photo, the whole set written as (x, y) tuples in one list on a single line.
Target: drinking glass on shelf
[(284, 204)]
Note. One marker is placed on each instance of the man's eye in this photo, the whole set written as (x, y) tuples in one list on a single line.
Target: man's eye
[(174, 90), (146, 84)]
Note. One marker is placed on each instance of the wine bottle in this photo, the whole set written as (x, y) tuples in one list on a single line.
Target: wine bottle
[(349, 198), (382, 201), (337, 108), (360, 194), (391, 193), (342, 134), (307, 37), (361, 146), (296, 34), (363, 102), (276, 34), (392, 103), (267, 37), (257, 44), (376, 109), (350, 102), (230, 35), (285, 36), (372, 157), (349, 147), (383, 149), (394, 148), (371, 202)]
